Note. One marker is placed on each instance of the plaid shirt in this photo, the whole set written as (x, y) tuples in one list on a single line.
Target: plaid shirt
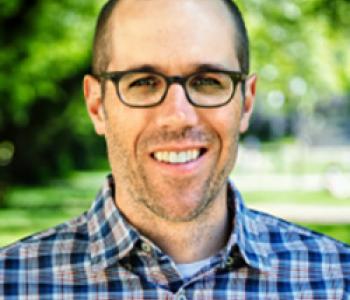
[(100, 256)]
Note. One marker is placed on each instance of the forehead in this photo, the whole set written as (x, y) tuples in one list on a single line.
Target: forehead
[(169, 32)]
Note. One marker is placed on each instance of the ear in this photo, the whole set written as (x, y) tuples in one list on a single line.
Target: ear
[(247, 109), (94, 103)]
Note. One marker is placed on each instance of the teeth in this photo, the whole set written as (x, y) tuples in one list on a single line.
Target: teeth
[(173, 157)]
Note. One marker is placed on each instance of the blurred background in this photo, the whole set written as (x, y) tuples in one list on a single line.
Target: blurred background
[(293, 162)]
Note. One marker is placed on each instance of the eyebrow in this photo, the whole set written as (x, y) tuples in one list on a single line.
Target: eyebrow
[(211, 67), (195, 68)]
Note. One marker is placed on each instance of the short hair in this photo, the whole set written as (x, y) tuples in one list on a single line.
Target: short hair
[(101, 48)]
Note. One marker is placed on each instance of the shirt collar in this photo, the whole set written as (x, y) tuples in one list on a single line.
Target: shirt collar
[(249, 233), (112, 237)]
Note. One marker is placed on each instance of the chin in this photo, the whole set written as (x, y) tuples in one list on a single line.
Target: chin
[(187, 212)]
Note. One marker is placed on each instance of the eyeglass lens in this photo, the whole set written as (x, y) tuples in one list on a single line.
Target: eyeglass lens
[(146, 88)]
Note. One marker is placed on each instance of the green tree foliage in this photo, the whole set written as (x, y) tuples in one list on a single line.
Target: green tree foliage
[(300, 50), (45, 50)]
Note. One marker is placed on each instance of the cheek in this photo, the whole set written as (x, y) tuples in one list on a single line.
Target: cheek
[(124, 127), (227, 123), (120, 150)]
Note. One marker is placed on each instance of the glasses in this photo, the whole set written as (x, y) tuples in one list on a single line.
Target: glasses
[(207, 89)]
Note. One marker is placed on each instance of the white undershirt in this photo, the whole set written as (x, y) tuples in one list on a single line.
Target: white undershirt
[(188, 270)]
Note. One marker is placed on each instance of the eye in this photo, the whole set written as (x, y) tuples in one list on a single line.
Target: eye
[(205, 81), (144, 82)]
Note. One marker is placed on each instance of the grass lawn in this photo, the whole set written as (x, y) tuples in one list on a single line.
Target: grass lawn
[(297, 197), (339, 232), (18, 223), (32, 209)]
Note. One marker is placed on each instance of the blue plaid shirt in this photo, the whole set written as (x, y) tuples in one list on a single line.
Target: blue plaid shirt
[(100, 256)]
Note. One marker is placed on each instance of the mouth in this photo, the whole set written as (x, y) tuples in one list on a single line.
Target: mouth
[(179, 157)]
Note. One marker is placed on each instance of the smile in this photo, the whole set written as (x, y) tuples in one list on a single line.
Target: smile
[(178, 157)]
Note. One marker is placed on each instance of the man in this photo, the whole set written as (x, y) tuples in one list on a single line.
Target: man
[(171, 93)]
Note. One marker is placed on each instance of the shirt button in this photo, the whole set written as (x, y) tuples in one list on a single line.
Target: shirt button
[(229, 261), (145, 247), (181, 297)]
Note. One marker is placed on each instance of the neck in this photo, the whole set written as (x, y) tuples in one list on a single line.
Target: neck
[(188, 241)]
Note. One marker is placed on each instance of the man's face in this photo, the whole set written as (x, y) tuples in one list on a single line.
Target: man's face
[(175, 38)]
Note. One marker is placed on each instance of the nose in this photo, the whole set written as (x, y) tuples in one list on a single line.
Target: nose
[(176, 111)]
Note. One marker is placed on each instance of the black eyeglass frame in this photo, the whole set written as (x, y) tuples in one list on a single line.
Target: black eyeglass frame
[(115, 77)]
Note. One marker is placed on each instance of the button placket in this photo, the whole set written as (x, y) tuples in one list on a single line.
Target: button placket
[(146, 248), (229, 261), (180, 296), (128, 266)]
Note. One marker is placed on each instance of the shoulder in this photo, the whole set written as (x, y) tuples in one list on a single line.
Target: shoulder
[(294, 246), (57, 247)]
